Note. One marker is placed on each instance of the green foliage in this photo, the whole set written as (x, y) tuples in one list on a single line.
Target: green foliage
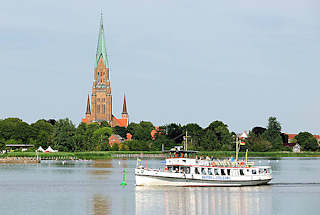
[(14, 128), (44, 131), (162, 139), (257, 143), (115, 147), (217, 137), (141, 131), (175, 132), (137, 145), (120, 131), (307, 141), (273, 133), (63, 135), (195, 132), (2, 144)]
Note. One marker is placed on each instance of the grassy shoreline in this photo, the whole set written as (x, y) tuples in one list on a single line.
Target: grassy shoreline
[(96, 155)]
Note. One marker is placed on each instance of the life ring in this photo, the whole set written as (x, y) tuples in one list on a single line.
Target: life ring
[(213, 163)]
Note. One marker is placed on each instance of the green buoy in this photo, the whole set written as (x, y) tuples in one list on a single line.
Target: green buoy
[(123, 183)]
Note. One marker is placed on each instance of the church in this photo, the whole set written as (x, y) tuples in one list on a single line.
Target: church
[(101, 97)]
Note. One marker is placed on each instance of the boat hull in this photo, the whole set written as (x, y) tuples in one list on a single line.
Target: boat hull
[(147, 180)]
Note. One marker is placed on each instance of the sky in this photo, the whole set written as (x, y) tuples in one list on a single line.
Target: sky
[(182, 61)]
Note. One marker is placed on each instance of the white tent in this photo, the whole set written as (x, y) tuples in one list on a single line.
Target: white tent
[(49, 149), (40, 149), (244, 135)]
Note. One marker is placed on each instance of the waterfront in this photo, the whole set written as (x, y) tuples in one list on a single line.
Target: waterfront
[(94, 188)]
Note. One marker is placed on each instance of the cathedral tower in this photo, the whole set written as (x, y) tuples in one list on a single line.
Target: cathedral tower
[(101, 98)]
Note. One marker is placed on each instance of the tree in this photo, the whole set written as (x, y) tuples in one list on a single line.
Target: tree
[(115, 147), (175, 132), (273, 133), (162, 139), (101, 136), (258, 130), (137, 145), (195, 132), (14, 128), (44, 131), (209, 141), (63, 135), (307, 141), (223, 135), (122, 131), (141, 131), (257, 143), (2, 144)]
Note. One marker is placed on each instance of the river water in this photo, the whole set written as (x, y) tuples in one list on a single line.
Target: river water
[(76, 187)]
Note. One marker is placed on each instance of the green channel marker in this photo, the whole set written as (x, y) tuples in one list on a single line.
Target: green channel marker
[(123, 183)]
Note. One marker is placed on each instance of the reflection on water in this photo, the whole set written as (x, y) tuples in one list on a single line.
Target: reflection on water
[(101, 168), (101, 205), (213, 200)]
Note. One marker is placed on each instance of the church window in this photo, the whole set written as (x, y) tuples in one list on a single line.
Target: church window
[(104, 108), (98, 109)]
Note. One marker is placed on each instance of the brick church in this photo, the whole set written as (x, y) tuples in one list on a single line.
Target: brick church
[(101, 98)]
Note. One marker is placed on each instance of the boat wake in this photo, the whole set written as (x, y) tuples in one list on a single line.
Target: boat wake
[(296, 184)]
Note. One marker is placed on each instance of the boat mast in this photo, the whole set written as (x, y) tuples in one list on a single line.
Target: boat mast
[(185, 142)]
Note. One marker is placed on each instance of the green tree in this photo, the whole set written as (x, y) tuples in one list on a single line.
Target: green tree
[(44, 131), (257, 143), (162, 139), (141, 131), (195, 132), (122, 131), (222, 134), (63, 135), (115, 147), (101, 136), (14, 128), (175, 132), (307, 141), (273, 133), (209, 141), (81, 138), (2, 144)]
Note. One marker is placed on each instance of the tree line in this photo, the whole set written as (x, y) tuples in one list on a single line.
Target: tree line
[(63, 135)]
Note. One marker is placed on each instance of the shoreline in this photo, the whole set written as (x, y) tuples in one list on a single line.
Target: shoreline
[(96, 155)]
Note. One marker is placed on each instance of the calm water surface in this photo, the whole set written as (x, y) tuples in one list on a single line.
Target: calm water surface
[(94, 188)]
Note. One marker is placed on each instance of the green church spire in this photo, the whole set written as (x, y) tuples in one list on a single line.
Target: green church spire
[(101, 48)]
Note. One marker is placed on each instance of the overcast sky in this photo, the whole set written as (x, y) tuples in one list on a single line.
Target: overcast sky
[(239, 61)]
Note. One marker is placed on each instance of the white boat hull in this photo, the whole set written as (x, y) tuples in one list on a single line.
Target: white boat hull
[(148, 180)]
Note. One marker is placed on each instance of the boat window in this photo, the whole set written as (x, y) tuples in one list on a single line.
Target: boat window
[(196, 170), (210, 171), (241, 172), (216, 172), (228, 171), (176, 169), (260, 171), (222, 172), (170, 168), (203, 171), (187, 170), (254, 172)]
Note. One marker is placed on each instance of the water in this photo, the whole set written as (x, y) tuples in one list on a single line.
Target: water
[(94, 188)]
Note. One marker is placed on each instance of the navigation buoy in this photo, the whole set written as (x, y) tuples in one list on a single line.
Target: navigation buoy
[(123, 183)]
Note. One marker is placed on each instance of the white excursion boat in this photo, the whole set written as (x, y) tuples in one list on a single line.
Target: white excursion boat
[(185, 168)]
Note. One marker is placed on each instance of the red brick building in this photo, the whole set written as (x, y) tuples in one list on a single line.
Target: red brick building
[(101, 97)]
